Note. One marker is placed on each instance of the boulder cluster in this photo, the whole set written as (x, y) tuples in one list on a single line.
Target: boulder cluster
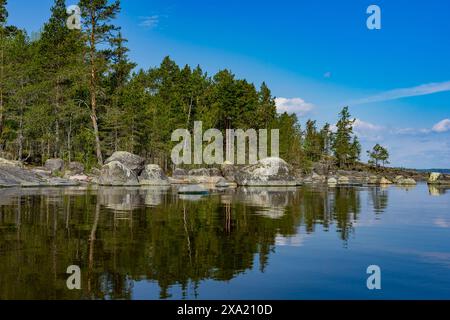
[(127, 169)]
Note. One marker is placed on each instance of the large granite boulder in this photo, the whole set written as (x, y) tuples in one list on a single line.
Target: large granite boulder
[(54, 165), (322, 168), (225, 184), (14, 176), (178, 172), (4, 162), (406, 182), (439, 179), (204, 176), (153, 175), (116, 173), (385, 181), (229, 171), (332, 181), (267, 172), (129, 160), (76, 168)]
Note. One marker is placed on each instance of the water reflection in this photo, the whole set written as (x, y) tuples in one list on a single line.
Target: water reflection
[(379, 197), (121, 235), (436, 190)]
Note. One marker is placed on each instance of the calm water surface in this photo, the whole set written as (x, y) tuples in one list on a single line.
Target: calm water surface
[(253, 243)]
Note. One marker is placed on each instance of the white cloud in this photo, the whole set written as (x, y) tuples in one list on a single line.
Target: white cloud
[(367, 130), (149, 22), (366, 126), (294, 105), (421, 90), (442, 126)]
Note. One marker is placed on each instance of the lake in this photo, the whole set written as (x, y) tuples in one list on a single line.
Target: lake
[(249, 243)]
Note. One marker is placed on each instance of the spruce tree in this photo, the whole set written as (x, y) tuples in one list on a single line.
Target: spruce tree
[(61, 63), (3, 18), (343, 146)]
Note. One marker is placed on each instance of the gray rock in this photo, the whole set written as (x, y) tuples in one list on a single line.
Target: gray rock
[(321, 168), (332, 181), (229, 171), (397, 179), (80, 178), (205, 172), (76, 168), (224, 184), (131, 161), (267, 172), (58, 182), (373, 180), (407, 182), (179, 173), (4, 162), (54, 165), (343, 180), (153, 175), (95, 172), (204, 176), (11, 176), (384, 181), (202, 172), (117, 174)]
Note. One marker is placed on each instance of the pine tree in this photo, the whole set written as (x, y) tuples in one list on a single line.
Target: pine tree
[(355, 151), (343, 147), (61, 63), (118, 79), (97, 15), (267, 109), (290, 139), (377, 155), (3, 18), (325, 139), (312, 143), (20, 72)]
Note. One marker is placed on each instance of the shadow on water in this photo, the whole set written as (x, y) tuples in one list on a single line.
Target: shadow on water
[(122, 235)]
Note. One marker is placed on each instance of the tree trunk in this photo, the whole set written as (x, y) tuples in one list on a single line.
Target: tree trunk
[(2, 62), (20, 153), (93, 89), (69, 142), (56, 153)]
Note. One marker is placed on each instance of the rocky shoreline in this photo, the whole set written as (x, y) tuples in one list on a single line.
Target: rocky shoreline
[(126, 169)]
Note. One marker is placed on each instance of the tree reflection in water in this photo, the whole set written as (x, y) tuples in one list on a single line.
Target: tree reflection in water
[(121, 235)]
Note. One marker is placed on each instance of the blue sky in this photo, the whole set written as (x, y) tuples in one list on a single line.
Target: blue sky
[(316, 56)]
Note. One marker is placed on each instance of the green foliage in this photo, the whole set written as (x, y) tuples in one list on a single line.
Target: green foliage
[(3, 12), (346, 147), (378, 155), (75, 94)]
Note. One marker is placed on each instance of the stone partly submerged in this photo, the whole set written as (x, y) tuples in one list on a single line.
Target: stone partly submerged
[(406, 182), (54, 165), (153, 175), (13, 175), (133, 162), (439, 179), (266, 172), (116, 173), (193, 190), (225, 184)]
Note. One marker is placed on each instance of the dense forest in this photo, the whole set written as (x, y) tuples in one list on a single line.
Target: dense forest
[(75, 95)]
